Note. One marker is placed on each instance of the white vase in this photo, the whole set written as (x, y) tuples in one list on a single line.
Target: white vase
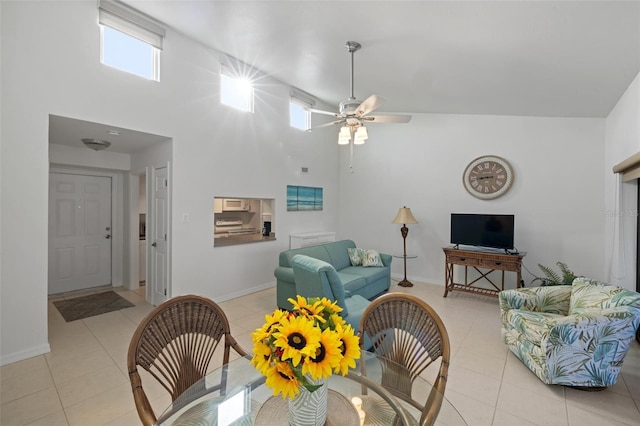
[(309, 408)]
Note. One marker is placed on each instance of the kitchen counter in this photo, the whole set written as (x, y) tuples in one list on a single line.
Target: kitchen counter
[(242, 239)]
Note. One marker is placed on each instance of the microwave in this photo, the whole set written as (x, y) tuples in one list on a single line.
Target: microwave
[(236, 205)]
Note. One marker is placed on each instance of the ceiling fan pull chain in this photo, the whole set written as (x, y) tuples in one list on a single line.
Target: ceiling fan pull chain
[(351, 156)]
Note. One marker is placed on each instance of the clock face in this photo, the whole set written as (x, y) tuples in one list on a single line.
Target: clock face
[(488, 177)]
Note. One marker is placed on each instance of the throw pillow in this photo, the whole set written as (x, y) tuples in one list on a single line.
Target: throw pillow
[(355, 256), (371, 258)]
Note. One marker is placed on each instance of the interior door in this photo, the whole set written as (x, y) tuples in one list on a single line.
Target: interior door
[(158, 279), (79, 232)]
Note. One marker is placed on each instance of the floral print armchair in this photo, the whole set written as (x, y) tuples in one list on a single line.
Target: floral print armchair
[(573, 335)]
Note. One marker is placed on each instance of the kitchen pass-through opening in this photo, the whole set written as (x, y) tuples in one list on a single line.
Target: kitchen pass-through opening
[(239, 220)]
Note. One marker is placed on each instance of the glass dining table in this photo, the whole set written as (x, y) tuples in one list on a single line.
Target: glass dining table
[(236, 395)]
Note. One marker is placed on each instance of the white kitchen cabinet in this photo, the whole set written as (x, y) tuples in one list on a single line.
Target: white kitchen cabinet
[(306, 239), (143, 260), (217, 205)]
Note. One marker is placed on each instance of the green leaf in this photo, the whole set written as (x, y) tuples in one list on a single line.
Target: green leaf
[(566, 276), (310, 387)]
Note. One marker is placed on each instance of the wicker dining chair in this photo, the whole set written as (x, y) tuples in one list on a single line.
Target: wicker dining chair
[(404, 329), (175, 344)]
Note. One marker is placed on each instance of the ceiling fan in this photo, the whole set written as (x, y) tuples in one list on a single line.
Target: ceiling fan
[(353, 114)]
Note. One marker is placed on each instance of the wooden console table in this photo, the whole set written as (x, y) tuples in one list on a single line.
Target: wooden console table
[(488, 262)]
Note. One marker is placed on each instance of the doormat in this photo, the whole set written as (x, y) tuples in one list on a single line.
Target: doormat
[(91, 305)]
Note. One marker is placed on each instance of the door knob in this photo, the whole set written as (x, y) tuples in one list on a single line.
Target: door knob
[(154, 245), (107, 236)]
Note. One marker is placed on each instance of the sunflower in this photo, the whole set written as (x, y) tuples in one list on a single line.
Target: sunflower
[(262, 357), (337, 320), (282, 379), (311, 310), (271, 323), (329, 306), (350, 348), (327, 356), (297, 337)]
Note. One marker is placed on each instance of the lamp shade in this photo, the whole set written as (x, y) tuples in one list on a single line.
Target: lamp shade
[(404, 216), (360, 136), (344, 136)]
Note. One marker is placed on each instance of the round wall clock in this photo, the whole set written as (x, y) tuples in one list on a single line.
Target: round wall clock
[(488, 177)]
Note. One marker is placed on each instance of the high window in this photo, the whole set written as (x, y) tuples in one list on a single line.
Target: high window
[(299, 115), (130, 41), (236, 92)]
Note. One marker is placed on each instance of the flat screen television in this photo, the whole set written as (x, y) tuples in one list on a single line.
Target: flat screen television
[(483, 230)]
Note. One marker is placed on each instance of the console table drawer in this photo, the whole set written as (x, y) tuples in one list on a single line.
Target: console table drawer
[(496, 264), (463, 260)]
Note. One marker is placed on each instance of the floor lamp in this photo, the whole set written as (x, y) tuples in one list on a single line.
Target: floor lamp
[(404, 216)]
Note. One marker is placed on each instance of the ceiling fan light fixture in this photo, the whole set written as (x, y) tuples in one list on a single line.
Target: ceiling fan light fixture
[(361, 136), (96, 144), (344, 136)]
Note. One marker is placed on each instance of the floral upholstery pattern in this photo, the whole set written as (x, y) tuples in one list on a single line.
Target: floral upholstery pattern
[(573, 335)]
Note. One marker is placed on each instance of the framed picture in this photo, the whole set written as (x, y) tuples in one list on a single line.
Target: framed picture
[(304, 198)]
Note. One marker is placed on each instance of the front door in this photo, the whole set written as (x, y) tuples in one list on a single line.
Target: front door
[(79, 232), (158, 220)]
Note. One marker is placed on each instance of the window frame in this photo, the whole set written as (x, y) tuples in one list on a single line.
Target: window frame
[(226, 76), (154, 52), (305, 101), (133, 24)]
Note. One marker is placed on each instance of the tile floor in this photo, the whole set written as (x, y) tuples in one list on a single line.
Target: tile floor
[(83, 380)]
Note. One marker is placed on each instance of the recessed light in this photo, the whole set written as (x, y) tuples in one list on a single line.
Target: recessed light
[(113, 132)]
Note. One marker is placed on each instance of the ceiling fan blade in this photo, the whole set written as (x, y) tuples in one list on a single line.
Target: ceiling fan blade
[(371, 103), (319, 111), (388, 118), (329, 124)]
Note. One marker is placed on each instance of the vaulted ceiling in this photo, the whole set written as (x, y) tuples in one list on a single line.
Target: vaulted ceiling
[(539, 58)]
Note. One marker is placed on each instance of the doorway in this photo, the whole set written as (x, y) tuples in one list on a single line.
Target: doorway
[(80, 232), (131, 153)]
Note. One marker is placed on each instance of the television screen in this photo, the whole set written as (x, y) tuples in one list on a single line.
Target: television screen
[(485, 230)]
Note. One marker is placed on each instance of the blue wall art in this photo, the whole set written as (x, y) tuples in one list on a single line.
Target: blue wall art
[(303, 198)]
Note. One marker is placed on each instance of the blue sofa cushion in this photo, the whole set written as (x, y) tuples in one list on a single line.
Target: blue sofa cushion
[(339, 254), (352, 283), (370, 274)]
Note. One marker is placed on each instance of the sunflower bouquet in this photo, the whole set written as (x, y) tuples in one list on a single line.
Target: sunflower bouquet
[(311, 342)]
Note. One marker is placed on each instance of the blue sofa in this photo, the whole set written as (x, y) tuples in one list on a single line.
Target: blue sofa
[(367, 282)]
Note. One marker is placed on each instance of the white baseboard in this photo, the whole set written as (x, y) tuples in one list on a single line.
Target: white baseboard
[(413, 278), (245, 292), (27, 353)]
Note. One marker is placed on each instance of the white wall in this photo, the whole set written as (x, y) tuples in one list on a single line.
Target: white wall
[(622, 141), (50, 65), (557, 196), (83, 157)]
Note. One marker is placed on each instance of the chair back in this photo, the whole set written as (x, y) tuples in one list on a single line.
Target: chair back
[(175, 344), (407, 331), (317, 278)]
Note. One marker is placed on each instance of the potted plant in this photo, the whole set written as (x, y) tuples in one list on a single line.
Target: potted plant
[(551, 277)]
